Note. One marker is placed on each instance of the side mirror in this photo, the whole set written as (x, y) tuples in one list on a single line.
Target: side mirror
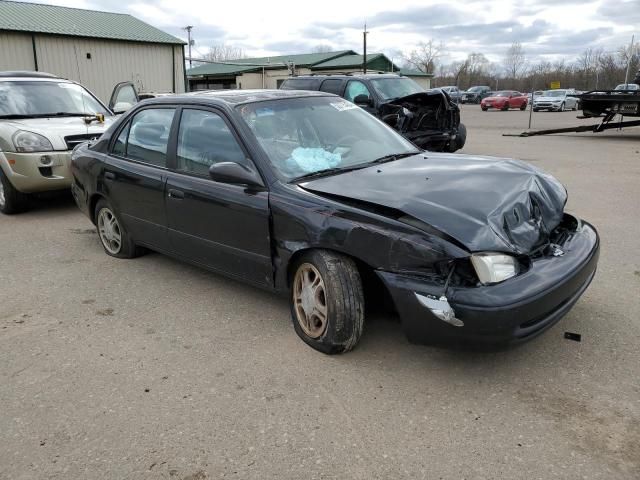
[(121, 107), (232, 172), (362, 100)]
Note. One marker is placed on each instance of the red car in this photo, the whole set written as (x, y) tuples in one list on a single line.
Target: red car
[(505, 100)]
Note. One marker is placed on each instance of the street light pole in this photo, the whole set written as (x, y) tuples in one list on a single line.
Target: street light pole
[(188, 29), (364, 56)]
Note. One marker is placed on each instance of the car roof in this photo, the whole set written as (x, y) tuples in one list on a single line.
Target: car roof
[(235, 97), (348, 76), (27, 74)]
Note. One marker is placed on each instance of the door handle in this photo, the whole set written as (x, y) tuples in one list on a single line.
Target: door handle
[(109, 175), (176, 194)]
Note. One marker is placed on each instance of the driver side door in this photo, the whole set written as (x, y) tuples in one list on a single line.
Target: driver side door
[(222, 226)]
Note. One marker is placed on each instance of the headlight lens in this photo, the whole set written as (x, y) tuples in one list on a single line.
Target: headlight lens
[(494, 267), (31, 142)]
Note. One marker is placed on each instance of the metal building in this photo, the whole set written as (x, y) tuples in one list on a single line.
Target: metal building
[(97, 49)]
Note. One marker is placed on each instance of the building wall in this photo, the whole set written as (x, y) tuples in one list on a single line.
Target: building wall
[(151, 67), (424, 82), (247, 81), (16, 51)]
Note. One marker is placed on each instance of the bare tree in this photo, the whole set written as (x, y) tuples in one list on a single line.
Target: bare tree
[(322, 48), (425, 56), (222, 53), (515, 61)]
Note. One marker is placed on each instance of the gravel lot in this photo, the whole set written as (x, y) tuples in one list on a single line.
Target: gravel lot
[(151, 368)]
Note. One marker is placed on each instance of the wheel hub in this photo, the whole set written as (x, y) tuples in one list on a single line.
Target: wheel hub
[(310, 303)]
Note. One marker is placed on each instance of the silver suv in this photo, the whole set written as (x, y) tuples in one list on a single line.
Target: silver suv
[(42, 118)]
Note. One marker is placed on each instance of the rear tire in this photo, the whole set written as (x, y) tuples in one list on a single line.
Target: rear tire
[(11, 200), (115, 240), (327, 301)]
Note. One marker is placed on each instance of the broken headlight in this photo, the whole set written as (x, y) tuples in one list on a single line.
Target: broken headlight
[(494, 267)]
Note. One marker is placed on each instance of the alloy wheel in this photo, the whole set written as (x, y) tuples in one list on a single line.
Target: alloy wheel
[(2, 197), (109, 231), (310, 300)]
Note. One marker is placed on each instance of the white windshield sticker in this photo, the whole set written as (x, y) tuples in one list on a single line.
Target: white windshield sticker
[(344, 105)]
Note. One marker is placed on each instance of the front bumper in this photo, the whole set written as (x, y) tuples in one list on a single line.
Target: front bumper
[(509, 312), (546, 106), (37, 172)]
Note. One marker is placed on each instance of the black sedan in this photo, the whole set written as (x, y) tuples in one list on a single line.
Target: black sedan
[(305, 193)]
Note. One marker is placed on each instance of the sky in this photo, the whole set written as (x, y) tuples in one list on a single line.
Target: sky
[(547, 29)]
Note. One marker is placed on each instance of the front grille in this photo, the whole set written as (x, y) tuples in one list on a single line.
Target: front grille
[(73, 140)]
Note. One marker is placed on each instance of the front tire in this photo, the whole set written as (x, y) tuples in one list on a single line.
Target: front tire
[(523, 107), (562, 107), (484, 109), (115, 240), (327, 301), (506, 107), (11, 200)]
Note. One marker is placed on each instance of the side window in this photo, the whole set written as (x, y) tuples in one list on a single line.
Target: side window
[(120, 145), (149, 136), (331, 86), (355, 88), (204, 139)]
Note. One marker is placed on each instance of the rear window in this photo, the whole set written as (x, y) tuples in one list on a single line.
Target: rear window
[(300, 84)]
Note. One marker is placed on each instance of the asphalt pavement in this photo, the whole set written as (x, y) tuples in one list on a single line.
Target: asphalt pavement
[(154, 369)]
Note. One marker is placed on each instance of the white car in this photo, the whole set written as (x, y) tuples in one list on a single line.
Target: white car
[(42, 119), (556, 100)]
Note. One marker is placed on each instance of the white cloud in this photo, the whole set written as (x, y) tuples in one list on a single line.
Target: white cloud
[(545, 27)]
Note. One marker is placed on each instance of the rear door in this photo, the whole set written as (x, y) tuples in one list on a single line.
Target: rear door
[(222, 226), (135, 173)]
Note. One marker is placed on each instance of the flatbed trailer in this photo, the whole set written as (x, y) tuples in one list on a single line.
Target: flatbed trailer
[(605, 104)]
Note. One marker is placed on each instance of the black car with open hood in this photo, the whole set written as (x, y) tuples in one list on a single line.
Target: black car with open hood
[(428, 118), (306, 194)]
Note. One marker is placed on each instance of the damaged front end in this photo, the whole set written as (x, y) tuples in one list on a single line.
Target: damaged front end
[(428, 119)]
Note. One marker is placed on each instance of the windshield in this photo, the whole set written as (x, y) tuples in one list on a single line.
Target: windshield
[(303, 136), (553, 93), (502, 94), (390, 88), (475, 89), (25, 98)]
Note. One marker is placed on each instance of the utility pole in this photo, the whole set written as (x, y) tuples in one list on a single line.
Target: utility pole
[(188, 29), (626, 75), (364, 48)]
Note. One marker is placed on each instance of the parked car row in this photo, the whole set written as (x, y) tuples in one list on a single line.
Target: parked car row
[(306, 194)]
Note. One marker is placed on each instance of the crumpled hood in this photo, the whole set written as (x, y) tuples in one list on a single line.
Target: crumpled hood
[(56, 128), (421, 98), (486, 203)]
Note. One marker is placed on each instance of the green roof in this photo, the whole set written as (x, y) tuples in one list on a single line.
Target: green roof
[(220, 69), (299, 59), (233, 67), (375, 61), (38, 18)]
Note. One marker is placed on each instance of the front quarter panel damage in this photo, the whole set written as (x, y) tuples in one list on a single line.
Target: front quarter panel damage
[(307, 221)]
